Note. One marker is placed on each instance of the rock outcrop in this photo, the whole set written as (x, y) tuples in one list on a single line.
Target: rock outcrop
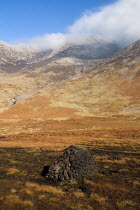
[(73, 164)]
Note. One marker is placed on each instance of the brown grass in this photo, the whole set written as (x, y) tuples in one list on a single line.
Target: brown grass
[(12, 171), (11, 201), (44, 188), (32, 143), (101, 200), (79, 194), (125, 204)]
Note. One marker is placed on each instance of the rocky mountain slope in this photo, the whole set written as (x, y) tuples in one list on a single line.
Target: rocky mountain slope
[(112, 88), (98, 87), (16, 58), (12, 53), (99, 50)]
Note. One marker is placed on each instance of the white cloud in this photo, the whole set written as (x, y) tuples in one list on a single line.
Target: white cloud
[(49, 41), (52, 41), (117, 22)]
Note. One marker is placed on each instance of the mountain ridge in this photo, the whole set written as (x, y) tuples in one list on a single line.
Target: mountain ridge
[(18, 57), (106, 87)]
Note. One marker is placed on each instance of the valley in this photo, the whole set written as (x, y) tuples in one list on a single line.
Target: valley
[(66, 97)]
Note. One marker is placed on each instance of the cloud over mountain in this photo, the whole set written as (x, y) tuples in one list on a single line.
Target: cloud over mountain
[(119, 21), (116, 22)]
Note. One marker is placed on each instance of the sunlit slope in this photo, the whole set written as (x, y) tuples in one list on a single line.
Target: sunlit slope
[(108, 89), (111, 89), (106, 94)]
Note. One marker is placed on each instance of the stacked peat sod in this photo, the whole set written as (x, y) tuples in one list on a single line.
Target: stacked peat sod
[(75, 163)]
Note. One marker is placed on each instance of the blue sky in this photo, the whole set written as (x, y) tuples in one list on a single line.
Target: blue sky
[(24, 19)]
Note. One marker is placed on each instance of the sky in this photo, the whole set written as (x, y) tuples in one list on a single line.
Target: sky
[(52, 23)]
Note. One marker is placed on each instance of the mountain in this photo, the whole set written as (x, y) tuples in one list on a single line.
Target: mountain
[(63, 78), (12, 53), (98, 50), (111, 88), (16, 58)]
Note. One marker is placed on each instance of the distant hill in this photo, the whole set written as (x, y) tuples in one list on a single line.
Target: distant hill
[(15, 58), (110, 88), (93, 85)]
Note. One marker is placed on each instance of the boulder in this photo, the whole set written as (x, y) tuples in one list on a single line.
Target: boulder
[(74, 163)]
